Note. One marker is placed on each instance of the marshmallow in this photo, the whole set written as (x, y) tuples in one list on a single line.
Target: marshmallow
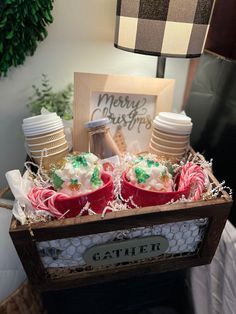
[(77, 174), (150, 174)]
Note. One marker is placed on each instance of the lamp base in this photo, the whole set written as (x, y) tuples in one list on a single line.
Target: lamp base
[(161, 64)]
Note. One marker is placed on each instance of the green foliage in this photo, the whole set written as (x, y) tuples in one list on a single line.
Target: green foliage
[(22, 25), (44, 97)]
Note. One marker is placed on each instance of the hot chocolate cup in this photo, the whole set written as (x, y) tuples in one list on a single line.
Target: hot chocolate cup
[(48, 144), (49, 151), (168, 143), (49, 160), (164, 155), (166, 149), (44, 138), (170, 136)]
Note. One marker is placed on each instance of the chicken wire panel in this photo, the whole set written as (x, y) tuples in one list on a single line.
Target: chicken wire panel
[(184, 237)]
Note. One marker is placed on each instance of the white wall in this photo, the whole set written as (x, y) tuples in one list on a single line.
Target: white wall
[(80, 39)]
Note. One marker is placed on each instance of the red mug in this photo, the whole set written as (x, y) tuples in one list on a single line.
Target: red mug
[(98, 199), (145, 198)]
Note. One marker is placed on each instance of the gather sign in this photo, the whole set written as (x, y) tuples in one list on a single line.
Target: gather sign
[(125, 251)]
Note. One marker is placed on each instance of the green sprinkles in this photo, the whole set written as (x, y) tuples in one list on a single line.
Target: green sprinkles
[(95, 180), (73, 181), (141, 175), (78, 161), (57, 181), (151, 163), (170, 169), (139, 159), (164, 173)]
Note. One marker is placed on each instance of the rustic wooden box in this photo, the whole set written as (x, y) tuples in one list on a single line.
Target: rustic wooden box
[(203, 220)]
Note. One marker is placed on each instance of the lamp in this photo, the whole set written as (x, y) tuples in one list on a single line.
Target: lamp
[(163, 28)]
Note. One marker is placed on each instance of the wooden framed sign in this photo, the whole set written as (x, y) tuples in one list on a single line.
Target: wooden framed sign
[(131, 103)]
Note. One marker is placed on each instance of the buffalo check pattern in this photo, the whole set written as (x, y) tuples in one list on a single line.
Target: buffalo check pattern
[(176, 28)]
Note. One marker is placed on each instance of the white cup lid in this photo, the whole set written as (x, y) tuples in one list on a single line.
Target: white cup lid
[(39, 131), (41, 124), (174, 117), (173, 128), (40, 117)]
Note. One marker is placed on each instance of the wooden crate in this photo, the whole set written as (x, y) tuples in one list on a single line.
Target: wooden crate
[(210, 216)]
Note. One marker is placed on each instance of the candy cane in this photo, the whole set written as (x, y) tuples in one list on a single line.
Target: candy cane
[(192, 175), (44, 199)]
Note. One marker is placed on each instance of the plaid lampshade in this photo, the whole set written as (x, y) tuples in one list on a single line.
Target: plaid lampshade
[(169, 28)]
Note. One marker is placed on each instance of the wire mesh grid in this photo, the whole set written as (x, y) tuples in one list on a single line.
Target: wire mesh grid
[(66, 255)]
